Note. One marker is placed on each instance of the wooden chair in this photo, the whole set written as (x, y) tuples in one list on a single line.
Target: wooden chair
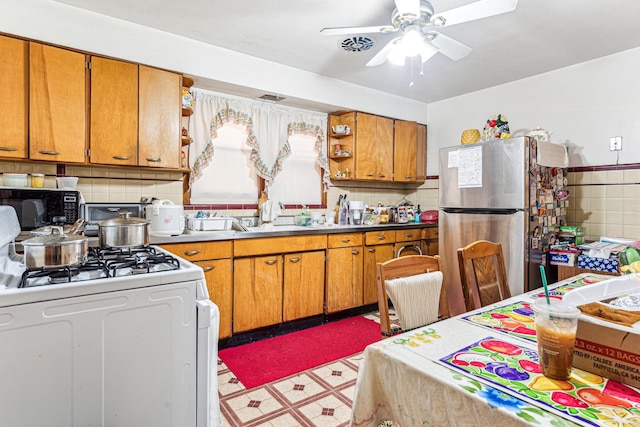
[(483, 275), (403, 267)]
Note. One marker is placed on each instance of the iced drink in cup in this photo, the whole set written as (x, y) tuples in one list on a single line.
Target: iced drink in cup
[(556, 325)]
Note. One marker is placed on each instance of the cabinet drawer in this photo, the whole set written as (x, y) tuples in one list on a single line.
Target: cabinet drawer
[(344, 240), (278, 245), (379, 237), (201, 250), (408, 235), (430, 233)]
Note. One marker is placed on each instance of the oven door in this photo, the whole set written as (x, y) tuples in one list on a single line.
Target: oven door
[(207, 401)]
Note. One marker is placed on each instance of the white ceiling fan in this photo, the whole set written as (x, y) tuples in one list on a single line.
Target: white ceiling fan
[(416, 19)]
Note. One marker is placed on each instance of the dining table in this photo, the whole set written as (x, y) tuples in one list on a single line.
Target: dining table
[(481, 368)]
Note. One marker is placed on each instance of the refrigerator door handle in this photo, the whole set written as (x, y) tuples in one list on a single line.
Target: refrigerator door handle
[(481, 211)]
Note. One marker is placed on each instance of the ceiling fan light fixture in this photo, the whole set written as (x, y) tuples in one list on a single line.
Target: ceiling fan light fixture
[(411, 43)]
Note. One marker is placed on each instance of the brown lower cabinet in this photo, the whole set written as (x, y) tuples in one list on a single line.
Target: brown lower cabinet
[(379, 247), (277, 279), (344, 271), (265, 281)]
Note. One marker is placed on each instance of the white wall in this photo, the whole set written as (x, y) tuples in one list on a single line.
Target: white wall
[(583, 105), (68, 26)]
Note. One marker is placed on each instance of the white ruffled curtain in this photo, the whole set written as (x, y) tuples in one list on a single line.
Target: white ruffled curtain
[(268, 128)]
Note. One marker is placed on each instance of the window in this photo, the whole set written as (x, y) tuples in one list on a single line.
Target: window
[(235, 141)]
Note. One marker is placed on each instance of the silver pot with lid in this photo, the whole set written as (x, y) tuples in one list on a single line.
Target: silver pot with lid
[(75, 228), (55, 250), (124, 232)]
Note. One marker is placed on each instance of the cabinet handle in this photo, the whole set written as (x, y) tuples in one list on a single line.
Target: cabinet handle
[(294, 259), (355, 252), (408, 177), (270, 261), (153, 159), (8, 149), (50, 153), (208, 268), (382, 176), (369, 174), (121, 157), (346, 240), (372, 250), (409, 235), (381, 237), (191, 253)]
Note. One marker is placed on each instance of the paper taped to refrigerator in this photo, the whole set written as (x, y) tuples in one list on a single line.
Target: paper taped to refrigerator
[(470, 167)]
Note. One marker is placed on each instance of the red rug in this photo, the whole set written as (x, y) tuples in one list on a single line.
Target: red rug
[(268, 360)]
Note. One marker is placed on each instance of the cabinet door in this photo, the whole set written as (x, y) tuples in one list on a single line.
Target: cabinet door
[(303, 287), (366, 152), (372, 256), (421, 154), (217, 273), (344, 278), (384, 149), (114, 112), (159, 141), (14, 94), (58, 101), (257, 292), (404, 147)]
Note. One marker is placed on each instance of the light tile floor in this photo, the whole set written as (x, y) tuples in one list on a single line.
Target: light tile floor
[(319, 397)]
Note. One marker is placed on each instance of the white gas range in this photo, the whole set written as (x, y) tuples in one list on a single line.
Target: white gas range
[(129, 338)]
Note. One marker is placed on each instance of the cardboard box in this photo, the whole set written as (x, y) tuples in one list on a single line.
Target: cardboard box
[(607, 349), (599, 264), (563, 257)]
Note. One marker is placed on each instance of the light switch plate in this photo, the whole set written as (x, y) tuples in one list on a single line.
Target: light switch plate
[(615, 143)]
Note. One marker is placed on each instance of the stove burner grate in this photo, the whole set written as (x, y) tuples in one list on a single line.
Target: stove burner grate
[(41, 276)]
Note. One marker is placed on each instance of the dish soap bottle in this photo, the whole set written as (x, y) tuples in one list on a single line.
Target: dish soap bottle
[(416, 215)]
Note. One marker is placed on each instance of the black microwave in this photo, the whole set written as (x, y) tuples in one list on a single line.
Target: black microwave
[(38, 207)]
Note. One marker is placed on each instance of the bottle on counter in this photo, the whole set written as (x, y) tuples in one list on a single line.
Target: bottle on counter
[(416, 215)]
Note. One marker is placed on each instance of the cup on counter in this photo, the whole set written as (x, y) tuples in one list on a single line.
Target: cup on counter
[(330, 217), (556, 324)]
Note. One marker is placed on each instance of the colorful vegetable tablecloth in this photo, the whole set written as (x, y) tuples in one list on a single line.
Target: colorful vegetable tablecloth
[(472, 371)]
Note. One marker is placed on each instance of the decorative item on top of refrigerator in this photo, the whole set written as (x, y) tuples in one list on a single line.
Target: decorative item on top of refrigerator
[(511, 191)]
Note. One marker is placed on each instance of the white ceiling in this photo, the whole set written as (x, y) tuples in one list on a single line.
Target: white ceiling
[(539, 36)]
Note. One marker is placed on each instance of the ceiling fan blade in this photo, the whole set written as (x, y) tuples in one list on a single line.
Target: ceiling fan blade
[(357, 30), (449, 47), (408, 7), (473, 11), (381, 56)]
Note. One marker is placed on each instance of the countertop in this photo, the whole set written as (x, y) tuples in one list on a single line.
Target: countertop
[(280, 231)]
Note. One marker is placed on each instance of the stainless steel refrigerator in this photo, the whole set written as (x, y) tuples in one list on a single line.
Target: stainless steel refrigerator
[(500, 191)]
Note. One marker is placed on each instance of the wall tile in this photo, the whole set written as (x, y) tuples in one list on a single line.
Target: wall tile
[(632, 176), (614, 177)]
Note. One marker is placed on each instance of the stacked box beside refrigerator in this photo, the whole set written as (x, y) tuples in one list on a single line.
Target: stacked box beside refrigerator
[(505, 191)]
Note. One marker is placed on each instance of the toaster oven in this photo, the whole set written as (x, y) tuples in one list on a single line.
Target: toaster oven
[(94, 213)]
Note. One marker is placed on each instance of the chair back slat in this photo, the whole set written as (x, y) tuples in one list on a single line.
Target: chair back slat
[(483, 274)]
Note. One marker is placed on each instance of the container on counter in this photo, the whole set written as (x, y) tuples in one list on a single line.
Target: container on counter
[(18, 180), (37, 180)]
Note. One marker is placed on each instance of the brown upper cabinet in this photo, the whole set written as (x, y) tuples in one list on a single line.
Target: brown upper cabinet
[(405, 151), (14, 97), (135, 115), (160, 113), (57, 104), (114, 112), (377, 149), (374, 148)]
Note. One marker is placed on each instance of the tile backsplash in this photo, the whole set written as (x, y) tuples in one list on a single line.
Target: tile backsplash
[(109, 185), (605, 202)]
